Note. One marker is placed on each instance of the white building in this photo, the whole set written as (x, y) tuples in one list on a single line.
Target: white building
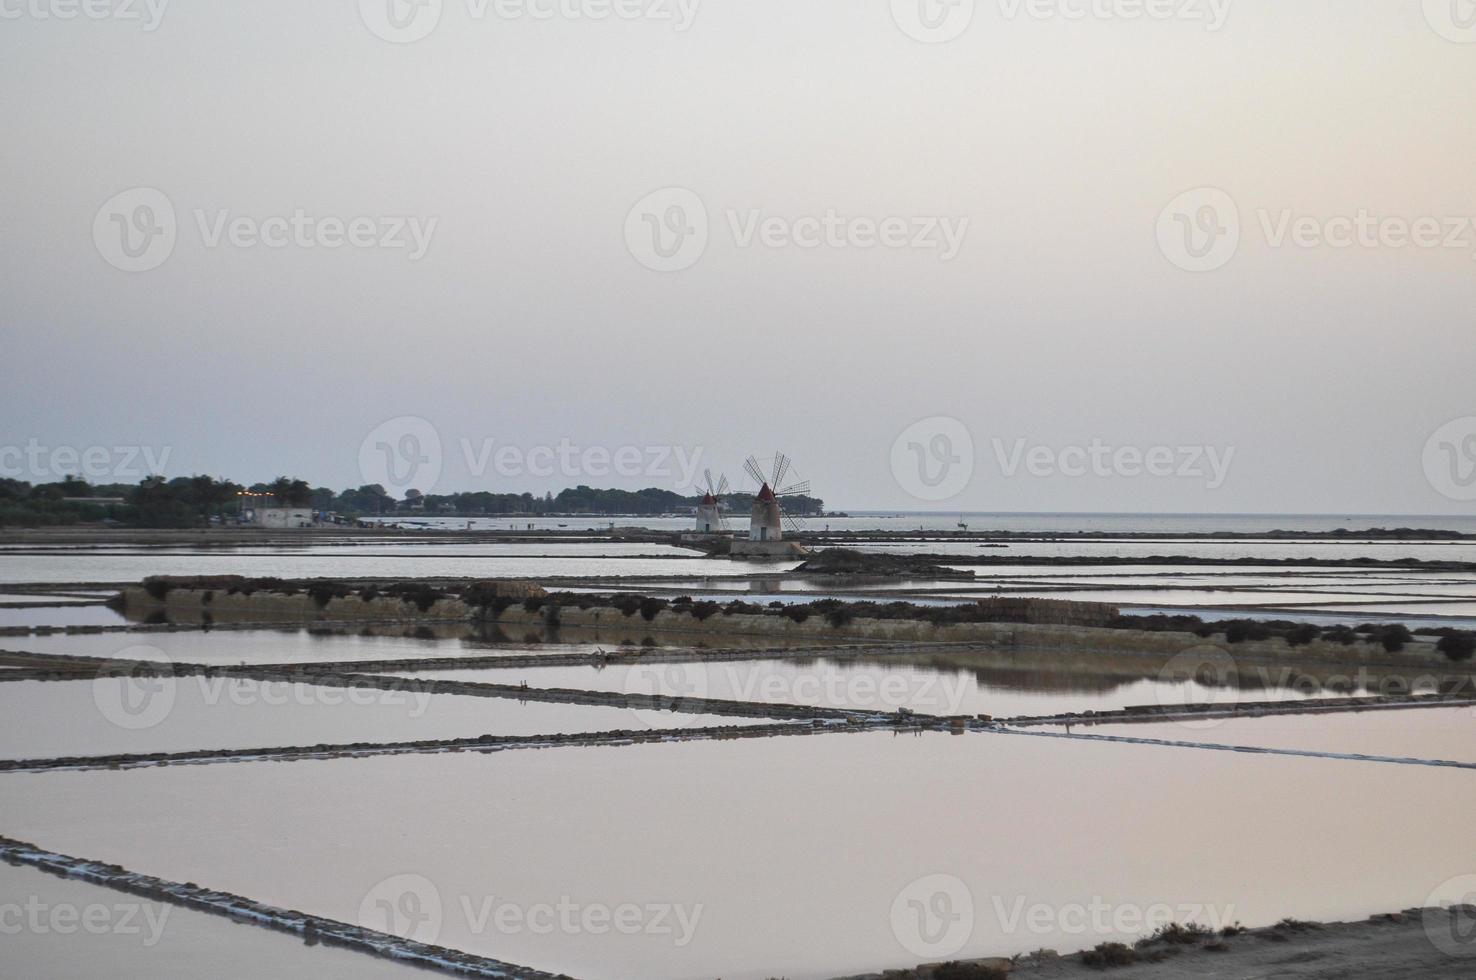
[(282, 517), (709, 521), (765, 523)]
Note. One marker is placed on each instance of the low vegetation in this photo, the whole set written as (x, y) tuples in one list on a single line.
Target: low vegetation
[(492, 599), (1107, 955)]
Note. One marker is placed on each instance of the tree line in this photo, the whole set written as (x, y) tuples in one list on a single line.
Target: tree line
[(195, 501)]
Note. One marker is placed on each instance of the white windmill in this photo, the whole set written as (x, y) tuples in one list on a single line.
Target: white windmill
[(710, 519), (768, 519)]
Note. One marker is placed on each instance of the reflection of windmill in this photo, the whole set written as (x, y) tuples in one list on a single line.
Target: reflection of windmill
[(768, 518), (710, 519)]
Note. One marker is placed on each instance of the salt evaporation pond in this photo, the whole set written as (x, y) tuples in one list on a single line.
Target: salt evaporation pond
[(139, 938), (374, 642), (107, 716), (1419, 733), (868, 685), (36, 569), (804, 854), (61, 615)]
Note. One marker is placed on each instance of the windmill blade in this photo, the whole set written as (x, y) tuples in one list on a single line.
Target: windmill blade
[(794, 488), (751, 467), (707, 475), (722, 486), (781, 467), (795, 523), (722, 521)]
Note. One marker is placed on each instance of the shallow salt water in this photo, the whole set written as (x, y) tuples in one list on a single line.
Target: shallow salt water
[(237, 646), (1230, 549), (1419, 733), (105, 716), (801, 857), (142, 940), (48, 598), (872, 686), (107, 567), (64, 615)]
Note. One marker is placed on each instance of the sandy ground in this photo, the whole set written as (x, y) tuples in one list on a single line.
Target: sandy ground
[(1429, 944)]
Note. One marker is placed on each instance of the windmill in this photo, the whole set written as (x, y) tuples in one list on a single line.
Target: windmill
[(710, 519), (768, 519)]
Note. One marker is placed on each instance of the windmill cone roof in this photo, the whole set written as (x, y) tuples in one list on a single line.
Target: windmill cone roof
[(765, 494), (708, 499)]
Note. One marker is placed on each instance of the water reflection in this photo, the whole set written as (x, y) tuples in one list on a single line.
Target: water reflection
[(797, 850)]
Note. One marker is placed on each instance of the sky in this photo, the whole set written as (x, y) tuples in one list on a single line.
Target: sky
[(1088, 255)]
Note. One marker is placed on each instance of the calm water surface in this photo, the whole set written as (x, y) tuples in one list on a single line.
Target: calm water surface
[(801, 853), (46, 719), (142, 940), (1419, 733), (872, 686)]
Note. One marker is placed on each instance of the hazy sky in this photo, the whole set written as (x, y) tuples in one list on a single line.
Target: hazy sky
[(1063, 312)]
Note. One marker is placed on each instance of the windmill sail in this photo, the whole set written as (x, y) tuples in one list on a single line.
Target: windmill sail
[(751, 467)]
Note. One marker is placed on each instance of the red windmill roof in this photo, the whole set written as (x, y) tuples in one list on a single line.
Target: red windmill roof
[(708, 499), (765, 494)]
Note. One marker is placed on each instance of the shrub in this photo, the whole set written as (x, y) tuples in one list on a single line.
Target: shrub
[(324, 592), (797, 612), (704, 610), (1177, 935), (1457, 646), (968, 971), (1106, 955), (533, 603), (628, 605), (486, 599), (1394, 637), (840, 617), (417, 592), (157, 588), (1240, 630), (650, 606), (1302, 634)]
